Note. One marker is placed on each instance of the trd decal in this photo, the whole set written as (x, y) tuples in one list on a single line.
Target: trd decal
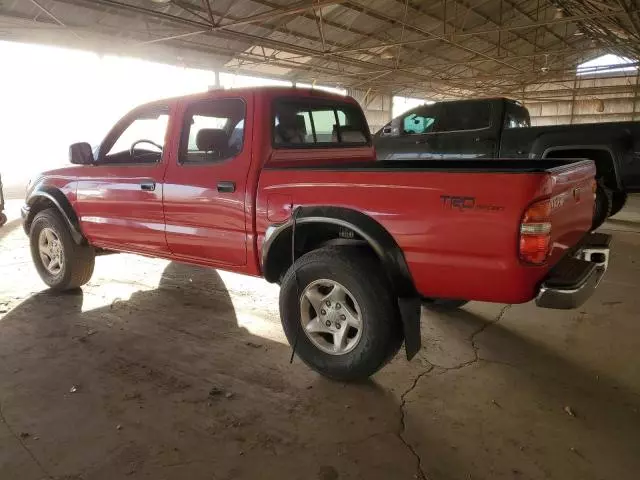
[(450, 202)]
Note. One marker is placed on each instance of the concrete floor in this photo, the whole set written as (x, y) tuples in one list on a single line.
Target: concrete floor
[(163, 371)]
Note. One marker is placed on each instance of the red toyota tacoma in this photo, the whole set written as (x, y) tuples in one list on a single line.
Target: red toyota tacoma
[(282, 183)]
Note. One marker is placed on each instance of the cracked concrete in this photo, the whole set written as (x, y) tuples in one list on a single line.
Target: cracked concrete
[(146, 341), (20, 442), (420, 473), (403, 397)]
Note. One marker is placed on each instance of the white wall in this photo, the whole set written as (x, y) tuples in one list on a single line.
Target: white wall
[(51, 97)]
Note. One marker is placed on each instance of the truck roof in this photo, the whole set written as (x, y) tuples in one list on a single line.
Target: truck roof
[(271, 91), (489, 99)]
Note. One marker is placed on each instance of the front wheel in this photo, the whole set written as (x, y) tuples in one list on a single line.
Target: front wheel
[(337, 309), (61, 263)]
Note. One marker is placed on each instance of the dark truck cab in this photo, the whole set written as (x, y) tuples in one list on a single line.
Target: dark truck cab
[(501, 128)]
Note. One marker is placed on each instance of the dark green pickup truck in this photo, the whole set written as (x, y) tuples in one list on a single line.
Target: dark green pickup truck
[(501, 128)]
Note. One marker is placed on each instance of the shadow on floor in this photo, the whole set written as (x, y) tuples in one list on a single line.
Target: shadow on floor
[(171, 383), (167, 384)]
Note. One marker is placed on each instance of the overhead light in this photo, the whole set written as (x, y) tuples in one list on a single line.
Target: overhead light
[(386, 55), (160, 1), (559, 14)]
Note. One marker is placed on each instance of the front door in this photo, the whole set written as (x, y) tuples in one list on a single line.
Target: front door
[(119, 199), (204, 194), (410, 137)]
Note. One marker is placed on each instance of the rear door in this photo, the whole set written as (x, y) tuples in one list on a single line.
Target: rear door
[(465, 131), (119, 200), (205, 186), (411, 136)]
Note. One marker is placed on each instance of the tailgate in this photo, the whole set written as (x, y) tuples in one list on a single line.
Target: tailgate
[(572, 202)]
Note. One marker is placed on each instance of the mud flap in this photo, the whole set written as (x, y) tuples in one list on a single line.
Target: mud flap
[(410, 310)]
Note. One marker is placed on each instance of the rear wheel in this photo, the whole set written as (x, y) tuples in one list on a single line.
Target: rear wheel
[(340, 314), (3, 219), (61, 263), (443, 304), (603, 205)]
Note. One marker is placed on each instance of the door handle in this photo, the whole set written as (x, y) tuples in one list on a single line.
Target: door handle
[(148, 186), (226, 187), (422, 142)]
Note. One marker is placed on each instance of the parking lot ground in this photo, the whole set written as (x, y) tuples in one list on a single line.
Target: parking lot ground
[(166, 371)]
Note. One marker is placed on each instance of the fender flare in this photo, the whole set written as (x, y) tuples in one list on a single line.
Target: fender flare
[(382, 243), (601, 147), (62, 204)]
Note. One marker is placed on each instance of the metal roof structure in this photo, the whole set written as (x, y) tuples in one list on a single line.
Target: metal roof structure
[(434, 49)]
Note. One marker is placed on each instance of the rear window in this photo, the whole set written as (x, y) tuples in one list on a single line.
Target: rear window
[(309, 123), (516, 116), (472, 115)]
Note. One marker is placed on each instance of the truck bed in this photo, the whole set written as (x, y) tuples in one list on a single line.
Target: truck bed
[(457, 222), (498, 165)]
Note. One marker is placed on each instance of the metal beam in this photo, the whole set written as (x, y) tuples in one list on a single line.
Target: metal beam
[(207, 5), (54, 18), (367, 35), (261, 17), (477, 33), (251, 40), (629, 15), (392, 20), (529, 17)]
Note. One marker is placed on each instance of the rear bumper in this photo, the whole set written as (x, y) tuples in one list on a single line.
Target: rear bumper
[(574, 279)]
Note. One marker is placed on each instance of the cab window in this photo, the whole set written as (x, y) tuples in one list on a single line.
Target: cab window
[(213, 131), (465, 115), (516, 116), (315, 123), (142, 139), (419, 121)]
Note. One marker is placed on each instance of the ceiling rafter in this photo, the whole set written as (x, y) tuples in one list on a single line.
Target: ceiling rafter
[(357, 31), (446, 47)]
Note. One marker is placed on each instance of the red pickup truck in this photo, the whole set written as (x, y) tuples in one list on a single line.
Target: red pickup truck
[(282, 183)]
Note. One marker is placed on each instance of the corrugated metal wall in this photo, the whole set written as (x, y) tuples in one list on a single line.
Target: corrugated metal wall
[(586, 100), (377, 107)]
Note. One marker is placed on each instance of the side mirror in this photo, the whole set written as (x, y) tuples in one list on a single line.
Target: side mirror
[(388, 131), (81, 154)]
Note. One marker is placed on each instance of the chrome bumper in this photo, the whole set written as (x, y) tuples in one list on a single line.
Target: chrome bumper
[(575, 278)]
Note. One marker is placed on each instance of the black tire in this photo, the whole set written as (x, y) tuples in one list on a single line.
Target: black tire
[(619, 201), (603, 205), (360, 272), (443, 304), (78, 260), (3, 219)]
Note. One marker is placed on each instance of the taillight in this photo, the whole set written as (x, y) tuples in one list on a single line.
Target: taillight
[(535, 233)]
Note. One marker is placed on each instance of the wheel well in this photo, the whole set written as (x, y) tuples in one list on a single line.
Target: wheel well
[(56, 200), (605, 167), (39, 204), (309, 236)]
